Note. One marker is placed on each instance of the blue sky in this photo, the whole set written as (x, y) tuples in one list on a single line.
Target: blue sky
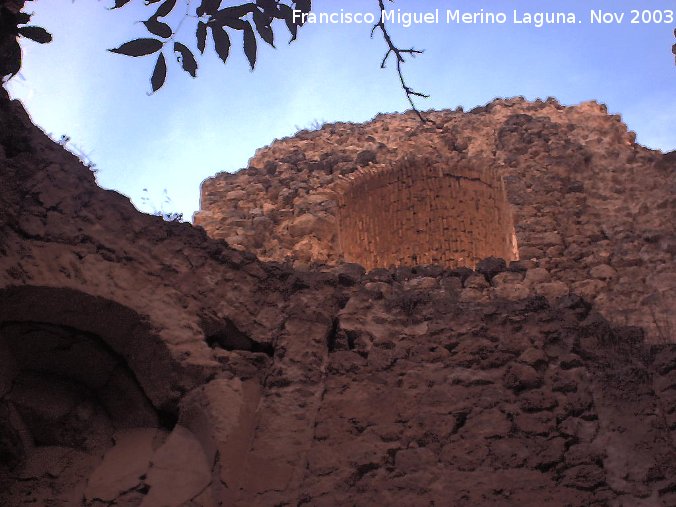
[(193, 128)]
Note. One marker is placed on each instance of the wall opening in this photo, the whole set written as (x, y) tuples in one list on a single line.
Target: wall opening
[(68, 389), (421, 212)]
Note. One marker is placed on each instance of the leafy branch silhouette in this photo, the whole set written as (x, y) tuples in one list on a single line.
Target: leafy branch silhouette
[(220, 21), (263, 12), (249, 18), (11, 21)]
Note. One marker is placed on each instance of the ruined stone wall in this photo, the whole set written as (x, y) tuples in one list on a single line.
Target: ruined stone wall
[(422, 213), (145, 364), (590, 207)]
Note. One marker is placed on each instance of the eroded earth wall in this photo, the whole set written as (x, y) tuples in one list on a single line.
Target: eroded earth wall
[(143, 363), (590, 206)]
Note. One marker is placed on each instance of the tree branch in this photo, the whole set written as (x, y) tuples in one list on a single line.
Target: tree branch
[(399, 58)]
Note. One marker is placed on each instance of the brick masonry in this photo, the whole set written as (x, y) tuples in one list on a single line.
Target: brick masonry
[(424, 213)]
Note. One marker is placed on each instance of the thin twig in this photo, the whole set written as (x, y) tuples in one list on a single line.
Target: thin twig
[(180, 23), (398, 55)]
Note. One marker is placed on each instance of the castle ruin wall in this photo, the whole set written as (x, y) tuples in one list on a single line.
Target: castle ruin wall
[(590, 208)]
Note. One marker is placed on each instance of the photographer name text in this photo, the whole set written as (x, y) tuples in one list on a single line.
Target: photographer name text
[(408, 19)]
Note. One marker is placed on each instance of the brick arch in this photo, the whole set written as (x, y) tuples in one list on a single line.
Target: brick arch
[(424, 212)]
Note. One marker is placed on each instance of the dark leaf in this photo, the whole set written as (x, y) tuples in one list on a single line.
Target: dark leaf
[(269, 6), (10, 59), (36, 33), (284, 11), (158, 28), (250, 45), (138, 47), (165, 8), (201, 36), (287, 14), (221, 42), (159, 73), (208, 7), (236, 11), (22, 18), (186, 59), (120, 3), (263, 28), (235, 23), (303, 5)]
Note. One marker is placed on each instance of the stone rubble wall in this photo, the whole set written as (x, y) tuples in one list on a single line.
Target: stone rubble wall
[(143, 363), (530, 404), (588, 204)]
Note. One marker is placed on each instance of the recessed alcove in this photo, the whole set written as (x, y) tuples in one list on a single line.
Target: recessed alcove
[(71, 378), (421, 212)]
